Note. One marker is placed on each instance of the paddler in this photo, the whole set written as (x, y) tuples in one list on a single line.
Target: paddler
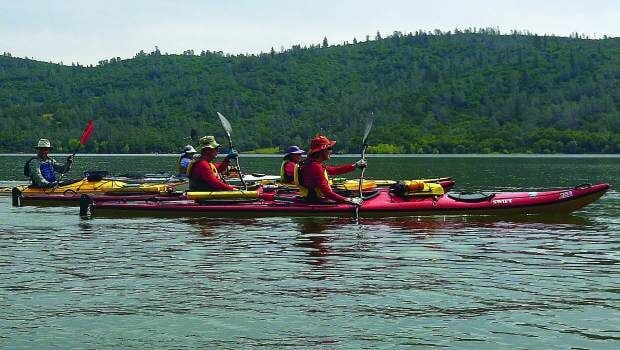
[(204, 173), (42, 169), (292, 157), (186, 157), (311, 175)]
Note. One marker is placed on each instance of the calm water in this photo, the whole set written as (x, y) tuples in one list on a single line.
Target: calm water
[(439, 282)]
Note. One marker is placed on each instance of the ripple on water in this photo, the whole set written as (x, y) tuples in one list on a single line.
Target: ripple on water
[(300, 282)]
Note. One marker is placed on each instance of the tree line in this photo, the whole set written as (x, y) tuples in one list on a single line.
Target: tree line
[(472, 91)]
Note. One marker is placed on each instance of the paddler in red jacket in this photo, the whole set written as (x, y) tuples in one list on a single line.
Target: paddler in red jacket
[(204, 173), (311, 175)]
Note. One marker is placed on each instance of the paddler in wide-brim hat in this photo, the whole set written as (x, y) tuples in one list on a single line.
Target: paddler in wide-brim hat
[(204, 173), (42, 169), (186, 157), (312, 175)]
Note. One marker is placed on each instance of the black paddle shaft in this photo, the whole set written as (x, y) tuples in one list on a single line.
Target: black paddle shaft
[(364, 148)]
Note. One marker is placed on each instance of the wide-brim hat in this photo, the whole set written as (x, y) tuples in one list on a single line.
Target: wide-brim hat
[(208, 142), (293, 150), (320, 143), (44, 143), (189, 149)]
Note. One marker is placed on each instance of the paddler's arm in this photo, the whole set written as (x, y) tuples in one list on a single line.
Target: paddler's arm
[(329, 193), (68, 164), (63, 167), (218, 185), (212, 180), (340, 169), (316, 174), (222, 166)]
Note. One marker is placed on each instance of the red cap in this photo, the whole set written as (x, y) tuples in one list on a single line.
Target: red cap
[(319, 143)]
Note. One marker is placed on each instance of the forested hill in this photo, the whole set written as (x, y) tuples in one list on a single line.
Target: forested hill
[(474, 92)]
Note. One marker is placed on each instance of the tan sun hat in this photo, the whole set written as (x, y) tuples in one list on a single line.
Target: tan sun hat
[(44, 143), (189, 149), (208, 142)]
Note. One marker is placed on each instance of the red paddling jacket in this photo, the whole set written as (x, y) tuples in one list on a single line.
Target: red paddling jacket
[(312, 178), (205, 176)]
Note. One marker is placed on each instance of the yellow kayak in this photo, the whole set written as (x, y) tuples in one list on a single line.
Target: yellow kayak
[(98, 187)]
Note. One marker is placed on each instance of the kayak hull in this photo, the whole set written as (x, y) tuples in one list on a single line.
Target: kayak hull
[(74, 198), (383, 204)]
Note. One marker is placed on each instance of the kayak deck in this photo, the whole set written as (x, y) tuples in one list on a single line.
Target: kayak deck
[(69, 195), (383, 204)]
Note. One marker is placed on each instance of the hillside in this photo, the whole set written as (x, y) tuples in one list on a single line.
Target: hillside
[(464, 92)]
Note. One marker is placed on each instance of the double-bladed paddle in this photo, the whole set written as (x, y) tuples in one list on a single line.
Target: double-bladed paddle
[(369, 123), (90, 126), (228, 128)]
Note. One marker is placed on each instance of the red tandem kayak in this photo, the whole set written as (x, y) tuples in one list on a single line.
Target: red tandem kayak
[(383, 202)]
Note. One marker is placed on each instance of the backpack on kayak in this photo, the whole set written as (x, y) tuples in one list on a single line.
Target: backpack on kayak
[(27, 167), (415, 188)]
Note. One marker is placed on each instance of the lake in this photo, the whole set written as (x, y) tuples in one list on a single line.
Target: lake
[(453, 282)]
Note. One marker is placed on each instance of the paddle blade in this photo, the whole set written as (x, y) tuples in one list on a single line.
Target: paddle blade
[(87, 132), (369, 123), (225, 123), (193, 135)]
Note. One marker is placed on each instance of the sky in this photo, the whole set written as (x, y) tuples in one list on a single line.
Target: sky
[(87, 31)]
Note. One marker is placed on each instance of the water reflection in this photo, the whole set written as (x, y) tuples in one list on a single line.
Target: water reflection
[(317, 241), (427, 226), (211, 227), (312, 237), (430, 224)]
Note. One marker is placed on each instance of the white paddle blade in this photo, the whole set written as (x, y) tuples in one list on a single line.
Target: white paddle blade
[(369, 123), (225, 123)]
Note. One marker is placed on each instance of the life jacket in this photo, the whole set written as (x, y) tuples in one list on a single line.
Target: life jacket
[(46, 167), (47, 170), (310, 194), (197, 184), (284, 177), (182, 168)]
